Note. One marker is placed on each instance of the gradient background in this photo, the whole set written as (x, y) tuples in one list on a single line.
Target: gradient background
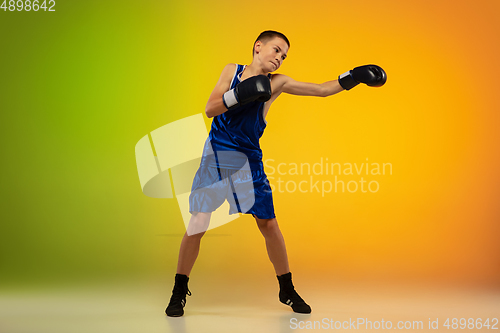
[(80, 86)]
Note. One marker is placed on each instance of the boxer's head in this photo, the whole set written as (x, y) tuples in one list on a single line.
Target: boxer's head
[(272, 48)]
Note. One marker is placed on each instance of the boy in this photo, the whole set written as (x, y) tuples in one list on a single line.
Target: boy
[(239, 104)]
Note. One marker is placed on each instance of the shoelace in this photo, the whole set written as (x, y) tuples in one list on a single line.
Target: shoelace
[(294, 296), (179, 294)]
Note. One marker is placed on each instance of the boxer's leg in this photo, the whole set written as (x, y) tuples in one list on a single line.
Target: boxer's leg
[(275, 244), (276, 249), (190, 247)]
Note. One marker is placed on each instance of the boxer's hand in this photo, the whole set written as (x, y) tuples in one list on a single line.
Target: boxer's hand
[(255, 88), (371, 75)]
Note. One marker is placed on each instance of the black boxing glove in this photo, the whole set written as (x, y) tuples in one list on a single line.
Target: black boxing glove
[(371, 75), (255, 88)]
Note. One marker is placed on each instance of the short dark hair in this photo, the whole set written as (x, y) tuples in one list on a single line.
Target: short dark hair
[(265, 36)]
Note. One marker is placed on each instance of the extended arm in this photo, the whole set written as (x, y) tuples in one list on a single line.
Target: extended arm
[(290, 86), (371, 75)]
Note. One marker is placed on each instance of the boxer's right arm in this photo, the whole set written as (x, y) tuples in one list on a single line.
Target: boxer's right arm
[(215, 105)]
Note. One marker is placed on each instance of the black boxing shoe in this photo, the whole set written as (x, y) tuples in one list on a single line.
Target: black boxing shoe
[(177, 302), (289, 296)]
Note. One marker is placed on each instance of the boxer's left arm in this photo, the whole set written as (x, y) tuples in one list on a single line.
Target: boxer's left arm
[(282, 83), (371, 75)]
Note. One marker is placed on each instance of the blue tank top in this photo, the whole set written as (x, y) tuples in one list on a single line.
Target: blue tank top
[(238, 130)]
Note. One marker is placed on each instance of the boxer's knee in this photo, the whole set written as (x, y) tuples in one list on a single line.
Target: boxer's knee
[(267, 226), (198, 224)]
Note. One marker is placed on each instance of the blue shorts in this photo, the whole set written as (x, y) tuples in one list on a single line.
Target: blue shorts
[(247, 191)]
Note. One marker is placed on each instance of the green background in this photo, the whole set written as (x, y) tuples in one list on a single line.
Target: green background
[(79, 87)]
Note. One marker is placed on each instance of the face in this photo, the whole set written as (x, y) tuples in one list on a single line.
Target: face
[(272, 53)]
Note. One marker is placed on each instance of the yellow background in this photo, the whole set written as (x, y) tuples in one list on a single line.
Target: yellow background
[(81, 85)]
